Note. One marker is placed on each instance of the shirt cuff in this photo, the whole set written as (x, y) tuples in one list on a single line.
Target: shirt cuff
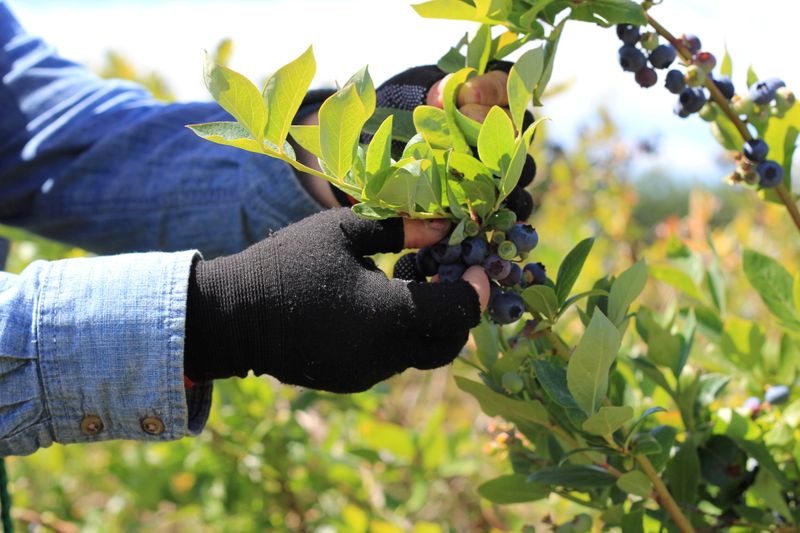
[(110, 334)]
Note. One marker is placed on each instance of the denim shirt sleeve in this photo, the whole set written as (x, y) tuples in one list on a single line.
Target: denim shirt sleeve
[(101, 165), (92, 349)]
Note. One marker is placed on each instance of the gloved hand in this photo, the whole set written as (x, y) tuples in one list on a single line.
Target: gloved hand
[(306, 306)]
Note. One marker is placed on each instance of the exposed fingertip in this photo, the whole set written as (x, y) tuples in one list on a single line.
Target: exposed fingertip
[(476, 276)]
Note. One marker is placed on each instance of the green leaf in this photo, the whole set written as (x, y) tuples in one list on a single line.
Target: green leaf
[(340, 119), (238, 96), (541, 299), (571, 268), (752, 77), (474, 179), (399, 191), (624, 291), (767, 491), (429, 188), (678, 279), (550, 55), (522, 80), (587, 370), (511, 177), (574, 477), (454, 60), (726, 133), (403, 129), (379, 151), (635, 482), (553, 380), (585, 294), (365, 89), (374, 212), (663, 348), (608, 419), (479, 49), (512, 488), (469, 127), (645, 444), (492, 10), (432, 123), (722, 462), (642, 418), (651, 371), (487, 345), (449, 99), (774, 284), (284, 92), (609, 12), (726, 68), (446, 9), (495, 404), (683, 473), (307, 136), (781, 136), (496, 141), (227, 133)]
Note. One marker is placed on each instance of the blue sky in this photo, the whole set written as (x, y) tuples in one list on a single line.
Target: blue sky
[(169, 36)]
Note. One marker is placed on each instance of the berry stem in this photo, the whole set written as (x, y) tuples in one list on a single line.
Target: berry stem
[(664, 496), (716, 95)]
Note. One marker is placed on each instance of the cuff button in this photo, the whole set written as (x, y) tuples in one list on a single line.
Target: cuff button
[(152, 425), (91, 425)]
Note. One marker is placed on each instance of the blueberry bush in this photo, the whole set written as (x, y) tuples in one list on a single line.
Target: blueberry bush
[(634, 375)]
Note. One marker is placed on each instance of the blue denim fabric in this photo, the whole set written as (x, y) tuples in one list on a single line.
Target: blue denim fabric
[(101, 165)]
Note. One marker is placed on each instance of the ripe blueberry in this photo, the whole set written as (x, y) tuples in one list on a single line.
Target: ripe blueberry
[(520, 202), (691, 42), (494, 291), (528, 172), (755, 150), (675, 81), (524, 237), (770, 174), (506, 308), (631, 59), (514, 276), (534, 274), (777, 394), (752, 404), (662, 56), (474, 250), (705, 60), (646, 77), (628, 33), (451, 272), (690, 101), (426, 264), (763, 91), (446, 254), (725, 86), (496, 267)]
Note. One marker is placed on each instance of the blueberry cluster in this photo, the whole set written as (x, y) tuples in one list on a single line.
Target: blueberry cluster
[(775, 395), (764, 99), (498, 249)]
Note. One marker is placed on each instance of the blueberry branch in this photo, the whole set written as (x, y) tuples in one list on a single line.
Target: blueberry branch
[(716, 95), (664, 496)]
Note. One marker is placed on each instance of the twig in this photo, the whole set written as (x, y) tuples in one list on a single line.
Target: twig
[(664, 496)]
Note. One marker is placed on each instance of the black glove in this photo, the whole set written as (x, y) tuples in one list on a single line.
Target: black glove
[(307, 307)]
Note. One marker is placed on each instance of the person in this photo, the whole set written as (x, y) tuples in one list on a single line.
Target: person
[(214, 262)]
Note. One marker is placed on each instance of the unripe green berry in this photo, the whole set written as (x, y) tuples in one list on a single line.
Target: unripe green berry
[(784, 99), (512, 382), (695, 76), (507, 250), (471, 228), (498, 237), (708, 112), (742, 105), (649, 40)]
